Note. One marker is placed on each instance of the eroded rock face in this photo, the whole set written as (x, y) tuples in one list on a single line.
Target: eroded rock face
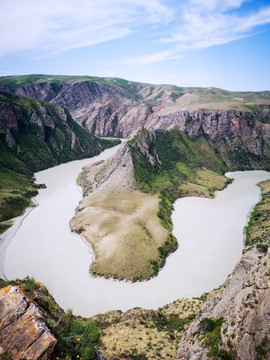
[(112, 109), (240, 128), (245, 306), (23, 332)]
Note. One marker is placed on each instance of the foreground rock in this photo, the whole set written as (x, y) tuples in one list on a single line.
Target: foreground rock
[(34, 326), (23, 332)]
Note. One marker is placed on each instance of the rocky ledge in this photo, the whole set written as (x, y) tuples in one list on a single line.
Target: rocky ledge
[(23, 332)]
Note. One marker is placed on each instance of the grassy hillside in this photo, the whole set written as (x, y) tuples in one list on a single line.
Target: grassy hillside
[(170, 96), (125, 87), (42, 135), (22, 80), (183, 165), (181, 160)]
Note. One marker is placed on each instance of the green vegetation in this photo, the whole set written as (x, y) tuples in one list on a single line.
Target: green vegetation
[(127, 88), (145, 333), (179, 158), (257, 230), (164, 213), (176, 93), (29, 284), (211, 338), (196, 98), (23, 80), (42, 135), (209, 325), (261, 349), (76, 337)]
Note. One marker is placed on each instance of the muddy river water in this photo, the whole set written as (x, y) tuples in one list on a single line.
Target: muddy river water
[(209, 233)]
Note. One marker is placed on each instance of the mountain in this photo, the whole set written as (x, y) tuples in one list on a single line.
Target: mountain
[(35, 135), (117, 107)]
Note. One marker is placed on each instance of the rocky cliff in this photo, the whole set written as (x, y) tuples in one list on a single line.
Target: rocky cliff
[(35, 135), (117, 107), (241, 129)]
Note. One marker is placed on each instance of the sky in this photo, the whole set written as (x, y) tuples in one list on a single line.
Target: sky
[(206, 43)]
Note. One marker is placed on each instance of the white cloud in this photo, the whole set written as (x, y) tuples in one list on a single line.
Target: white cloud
[(206, 23), (49, 27), (211, 5), (54, 26), (152, 58)]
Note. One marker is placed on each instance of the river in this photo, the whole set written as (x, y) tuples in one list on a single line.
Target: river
[(209, 233)]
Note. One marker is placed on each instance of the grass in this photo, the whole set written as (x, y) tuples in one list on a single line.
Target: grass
[(147, 334), (194, 99), (180, 159), (125, 233), (211, 339)]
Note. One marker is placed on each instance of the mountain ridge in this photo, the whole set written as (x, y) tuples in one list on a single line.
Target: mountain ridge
[(117, 107)]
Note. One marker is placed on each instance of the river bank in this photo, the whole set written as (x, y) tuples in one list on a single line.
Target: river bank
[(193, 269)]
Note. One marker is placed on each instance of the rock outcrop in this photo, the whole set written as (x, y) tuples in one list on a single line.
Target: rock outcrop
[(245, 306), (48, 129), (23, 332), (116, 171)]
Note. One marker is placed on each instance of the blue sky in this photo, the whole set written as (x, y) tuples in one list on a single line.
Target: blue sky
[(204, 43)]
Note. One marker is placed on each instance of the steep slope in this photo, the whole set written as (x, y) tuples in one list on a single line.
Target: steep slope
[(227, 141), (35, 135), (117, 107)]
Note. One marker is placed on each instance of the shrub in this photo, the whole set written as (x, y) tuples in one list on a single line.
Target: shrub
[(30, 284), (262, 247)]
